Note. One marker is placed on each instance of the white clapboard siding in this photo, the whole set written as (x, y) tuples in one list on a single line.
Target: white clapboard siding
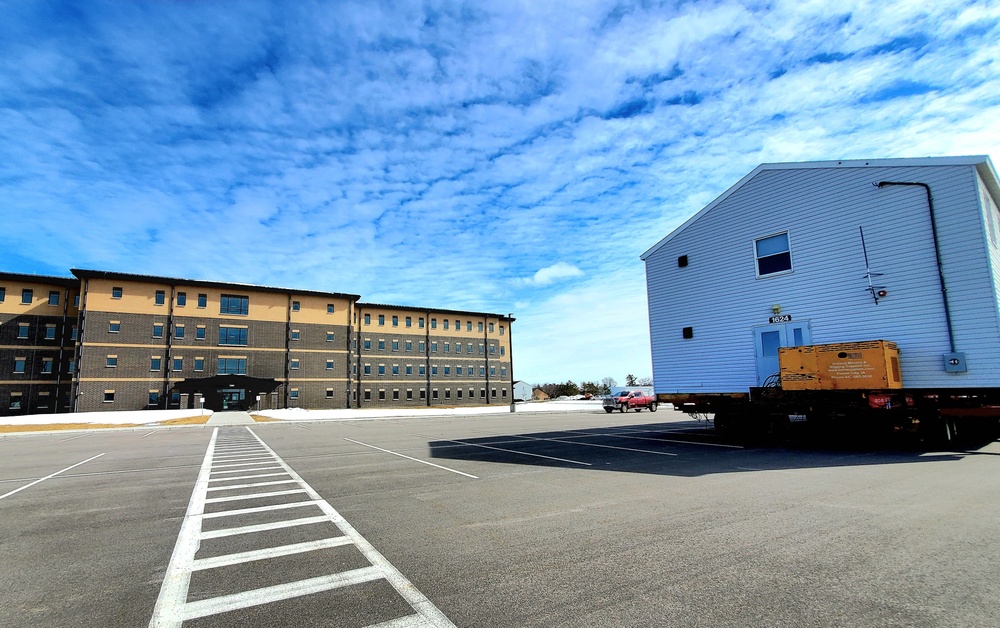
[(821, 206)]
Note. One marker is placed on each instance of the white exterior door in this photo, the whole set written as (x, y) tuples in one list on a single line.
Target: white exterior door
[(768, 338)]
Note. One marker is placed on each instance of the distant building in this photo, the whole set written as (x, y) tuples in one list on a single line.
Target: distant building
[(117, 341), (522, 391), (539, 395)]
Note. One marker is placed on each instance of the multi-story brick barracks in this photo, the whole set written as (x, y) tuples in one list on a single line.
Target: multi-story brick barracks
[(116, 341)]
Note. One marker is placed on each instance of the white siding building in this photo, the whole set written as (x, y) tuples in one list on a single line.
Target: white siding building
[(787, 240)]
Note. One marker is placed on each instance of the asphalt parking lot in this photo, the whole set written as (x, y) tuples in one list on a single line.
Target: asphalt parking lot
[(577, 519)]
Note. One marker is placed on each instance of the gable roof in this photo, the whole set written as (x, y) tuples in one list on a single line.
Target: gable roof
[(982, 164)]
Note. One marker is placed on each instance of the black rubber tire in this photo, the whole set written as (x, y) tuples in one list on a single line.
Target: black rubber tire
[(652, 407), (622, 407), (638, 408), (609, 410)]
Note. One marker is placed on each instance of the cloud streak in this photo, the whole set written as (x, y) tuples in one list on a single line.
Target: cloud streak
[(464, 156)]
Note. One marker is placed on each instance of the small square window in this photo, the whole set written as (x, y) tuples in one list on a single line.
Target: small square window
[(368, 395), (420, 323), (114, 327), (409, 345), (329, 336), (368, 369), (395, 345), (154, 397), (434, 393), (434, 347), (112, 361), (182, 299), (421, 346), (158, 330), (22, 331), (368, 343), (160, 298), (20, 364), (381, 394), (116, 292), (409, 321), (50, 332), (296, 306), (773, 254), (294, 393), (329, 365), (109, 396), (53, 297), (296, 334), (199, 364), (199, 333), (329, 393), (154, 364), (682, 261), (179, 332), (395, 321), (423, 393), (178, 364), (294, 364), (409, 369), (395, 395), (687, 332), (47, 366), (368, 319), (422, 370), (202, 300), (381, 369), (27, 296), (329, 310)]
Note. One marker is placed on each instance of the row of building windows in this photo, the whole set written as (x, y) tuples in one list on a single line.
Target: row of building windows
[(420, 323), (28, 296), (446, 346), (422, 393), (227, 335), (235, 304), (24, 331), (422, 370)]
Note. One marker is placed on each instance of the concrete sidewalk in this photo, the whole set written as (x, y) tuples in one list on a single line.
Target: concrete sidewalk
[(230, 418)]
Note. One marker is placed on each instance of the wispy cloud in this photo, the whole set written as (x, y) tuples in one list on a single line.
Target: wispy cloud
[(461, 155)]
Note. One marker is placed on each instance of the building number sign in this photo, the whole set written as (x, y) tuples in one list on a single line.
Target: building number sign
[(780, 318)]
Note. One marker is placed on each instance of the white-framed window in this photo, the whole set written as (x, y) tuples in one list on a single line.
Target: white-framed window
[(773, 254)]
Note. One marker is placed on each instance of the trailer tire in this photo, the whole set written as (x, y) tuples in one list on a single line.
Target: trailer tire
[(652, 407)]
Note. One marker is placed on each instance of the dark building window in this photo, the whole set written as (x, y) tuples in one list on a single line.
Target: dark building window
[(395, 321), (160, 298), (19, 364), (199, 333), (22, 331), (773, 254), (296, 306), (154, 364), (234, 304), (27, 295), (232, 366), (3, 293), (381, 319), (368, 319), (202, 300), (233, 336), (53, 298), (182, 299), (330, 310), (109, 396), (199, 364), (116, 292), (50, 332), (179, 332), (157, 330)]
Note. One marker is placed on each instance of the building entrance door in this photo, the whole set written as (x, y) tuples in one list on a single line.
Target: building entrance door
[(232, 398), (768, 338)]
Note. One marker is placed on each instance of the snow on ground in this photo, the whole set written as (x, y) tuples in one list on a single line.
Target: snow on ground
[(119, 417), (298, 414)]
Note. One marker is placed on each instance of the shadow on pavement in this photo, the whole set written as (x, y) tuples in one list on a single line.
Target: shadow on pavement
[(682, 449)]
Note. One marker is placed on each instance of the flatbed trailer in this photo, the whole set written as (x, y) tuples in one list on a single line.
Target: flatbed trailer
[(767, 412)]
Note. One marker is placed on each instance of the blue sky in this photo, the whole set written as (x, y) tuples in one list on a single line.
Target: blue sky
[(491, 156)]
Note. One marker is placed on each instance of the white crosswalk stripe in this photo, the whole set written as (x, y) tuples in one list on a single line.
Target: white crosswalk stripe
[(251, 455)]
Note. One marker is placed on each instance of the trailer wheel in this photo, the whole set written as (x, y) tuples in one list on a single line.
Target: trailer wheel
[(652, 407), (609, 410)]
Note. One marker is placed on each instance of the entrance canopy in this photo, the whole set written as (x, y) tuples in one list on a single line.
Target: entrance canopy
[(227, 392)]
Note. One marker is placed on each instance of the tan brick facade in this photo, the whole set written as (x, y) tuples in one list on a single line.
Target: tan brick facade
[(149, 342)]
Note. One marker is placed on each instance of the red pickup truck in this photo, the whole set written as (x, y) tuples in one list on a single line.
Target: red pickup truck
[(629, 400)]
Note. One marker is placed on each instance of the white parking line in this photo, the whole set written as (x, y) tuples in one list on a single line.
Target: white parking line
[(468, 475), (578, 444), (512, 451), (150, 434), (172, 606), (51, 475), (269, 466), (74, 438), (246, 477)]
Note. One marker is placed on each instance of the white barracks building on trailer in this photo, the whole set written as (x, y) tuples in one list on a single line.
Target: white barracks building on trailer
[(832, 252)]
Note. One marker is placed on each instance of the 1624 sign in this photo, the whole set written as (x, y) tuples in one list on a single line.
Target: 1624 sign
[(780, 318)]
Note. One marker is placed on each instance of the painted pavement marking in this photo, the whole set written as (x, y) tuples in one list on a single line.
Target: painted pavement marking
[(172, 607), (468, 475), (512, 451), (51, 475)]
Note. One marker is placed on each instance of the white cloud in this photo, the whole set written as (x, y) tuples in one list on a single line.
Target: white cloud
[(552, 274)]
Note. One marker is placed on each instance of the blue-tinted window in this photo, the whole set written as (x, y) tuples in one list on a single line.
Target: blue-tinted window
[(773, 254), (234, 304), (160, 298), (158, 330), (199, 333), (232, 366), (233, 336), (154, 364), (19, 364), (179, 364), (182, 299), (53, 297), (202, 300), (199, 364), (179, 332), (3, 293), (116, 292), (50, 332), (27, 295), (296, 306)]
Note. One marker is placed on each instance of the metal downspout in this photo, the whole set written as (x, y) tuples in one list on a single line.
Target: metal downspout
[(427, 356), (510, 356), (937, 253), (59, 359), (78, 347), (288, 346), (486, 354), (168, 363)]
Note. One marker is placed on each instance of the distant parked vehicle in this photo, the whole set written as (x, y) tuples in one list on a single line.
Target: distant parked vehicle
[(629, 400)]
